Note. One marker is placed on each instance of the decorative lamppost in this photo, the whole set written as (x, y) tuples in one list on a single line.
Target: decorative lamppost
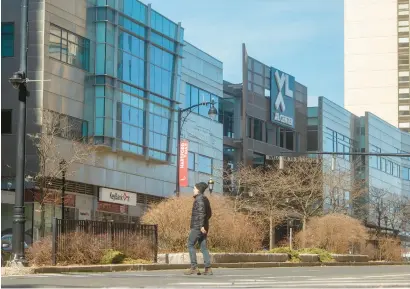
[(212, 113), (19, 82)]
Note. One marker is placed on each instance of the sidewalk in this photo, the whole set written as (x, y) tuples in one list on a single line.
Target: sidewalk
[(155, 267)]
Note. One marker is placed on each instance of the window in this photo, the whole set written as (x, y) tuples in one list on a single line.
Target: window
[(403, 6), (403, 23), (404, 29), (66, 126), (257, 129), (404, 40), (191, 161), (195, 95), (204, 164), (69, 48), (249, 127), (6, 121), (7, 39)]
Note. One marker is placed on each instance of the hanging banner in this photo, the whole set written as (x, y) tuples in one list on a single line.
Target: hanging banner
[(183, 163)]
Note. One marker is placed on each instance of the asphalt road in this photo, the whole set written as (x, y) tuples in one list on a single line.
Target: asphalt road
[(305, 277)]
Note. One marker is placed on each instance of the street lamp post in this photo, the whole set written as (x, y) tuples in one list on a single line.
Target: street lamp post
[(19, 82), (63, 172), (212, 114)]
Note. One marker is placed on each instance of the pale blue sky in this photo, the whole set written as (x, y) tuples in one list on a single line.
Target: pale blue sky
[(301, 37)]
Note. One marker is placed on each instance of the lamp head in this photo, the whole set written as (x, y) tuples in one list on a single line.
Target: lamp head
[(17, 79), (211, 185), (212, 113)]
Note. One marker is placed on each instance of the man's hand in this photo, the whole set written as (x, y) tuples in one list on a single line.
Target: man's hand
[(203, 230)]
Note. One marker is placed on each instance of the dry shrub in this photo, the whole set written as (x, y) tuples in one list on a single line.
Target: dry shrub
[(230, 231), (39, 253), (80, 248), (334, 233), (390, 249), (136, 247)]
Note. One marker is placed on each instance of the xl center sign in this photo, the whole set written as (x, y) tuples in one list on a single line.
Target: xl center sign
[(281, 95)]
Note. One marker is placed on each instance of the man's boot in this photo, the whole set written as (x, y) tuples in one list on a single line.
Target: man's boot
[(208, 271), (192, 271)]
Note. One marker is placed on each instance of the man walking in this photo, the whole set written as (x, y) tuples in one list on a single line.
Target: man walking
[(201, 213)]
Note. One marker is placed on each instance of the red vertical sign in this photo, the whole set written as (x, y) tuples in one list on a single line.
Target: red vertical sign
[(183, 163)]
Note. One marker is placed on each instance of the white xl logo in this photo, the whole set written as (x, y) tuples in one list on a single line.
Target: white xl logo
[(280, 81)]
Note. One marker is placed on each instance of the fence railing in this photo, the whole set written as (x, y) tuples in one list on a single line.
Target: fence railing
[(107, 235)]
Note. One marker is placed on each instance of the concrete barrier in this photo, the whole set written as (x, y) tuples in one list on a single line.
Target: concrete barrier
[(227, 258), (350, 258), (309, 258), (152, 267), (183, 258)]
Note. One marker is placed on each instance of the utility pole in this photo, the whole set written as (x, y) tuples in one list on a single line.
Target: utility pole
[(19, 81)]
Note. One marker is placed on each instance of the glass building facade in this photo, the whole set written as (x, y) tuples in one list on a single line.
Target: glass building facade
[(332, 128), (137, 76)]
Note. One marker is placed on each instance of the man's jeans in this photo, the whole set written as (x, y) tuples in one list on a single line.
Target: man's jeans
[(194, 237)]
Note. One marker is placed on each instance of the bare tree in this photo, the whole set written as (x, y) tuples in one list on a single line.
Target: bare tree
[(342, 186), (378, 208), (59, 146), (306, 178), (261, 191), (398, 213)]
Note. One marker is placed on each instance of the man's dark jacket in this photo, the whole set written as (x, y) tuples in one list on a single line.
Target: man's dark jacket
[(201, 213)]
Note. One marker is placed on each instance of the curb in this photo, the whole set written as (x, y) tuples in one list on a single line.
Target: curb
[(162, 267)]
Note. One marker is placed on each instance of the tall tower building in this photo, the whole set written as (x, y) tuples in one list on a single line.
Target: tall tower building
[(376, 50)]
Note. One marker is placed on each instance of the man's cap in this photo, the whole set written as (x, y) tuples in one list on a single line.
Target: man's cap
[(201, 187)]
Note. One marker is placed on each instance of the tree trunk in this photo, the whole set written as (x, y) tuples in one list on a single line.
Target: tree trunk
[(304, 232), (42, 220), (271, 233)]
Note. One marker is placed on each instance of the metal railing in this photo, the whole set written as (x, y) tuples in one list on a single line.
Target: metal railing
[(107, 235)]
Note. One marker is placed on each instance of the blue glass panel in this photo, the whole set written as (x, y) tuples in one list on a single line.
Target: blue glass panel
[(108, 127), (128, 7), (191, 161), (134, 116), (194, 98), (108, 108), (187, 101), (153, 19), (99, 107), (158, 22), (100, 91), (109, 58), (125, 132), (166, 27), (204, 97), (101, 13), (125, 113), (100, 59), (110, 36), (110, 15), (181, 35), (101, 2), (133, 134), (204, 164), (7, 39), (99, 126), (405, 173), (100, 31), (172, 30)]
